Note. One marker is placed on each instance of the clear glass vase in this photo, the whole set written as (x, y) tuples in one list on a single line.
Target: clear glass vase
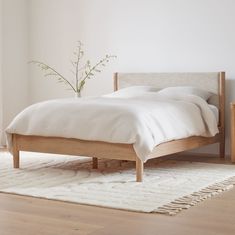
[(77, 95)]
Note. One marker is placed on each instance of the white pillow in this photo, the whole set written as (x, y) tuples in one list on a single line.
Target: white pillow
[(131, 91), (187, 90)]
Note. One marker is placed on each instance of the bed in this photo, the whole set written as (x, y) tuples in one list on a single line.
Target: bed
[(213, 82)]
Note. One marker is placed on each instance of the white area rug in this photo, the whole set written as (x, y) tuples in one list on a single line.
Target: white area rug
[(168, 186)]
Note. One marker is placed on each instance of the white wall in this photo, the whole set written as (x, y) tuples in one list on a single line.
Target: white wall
[(55, 26), (14, 58), (146, 35)]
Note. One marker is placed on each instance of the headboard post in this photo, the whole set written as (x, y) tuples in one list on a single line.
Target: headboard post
[(221, 97), (222, 112)]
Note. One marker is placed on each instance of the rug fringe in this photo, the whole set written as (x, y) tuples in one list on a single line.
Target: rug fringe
[(185, 202)]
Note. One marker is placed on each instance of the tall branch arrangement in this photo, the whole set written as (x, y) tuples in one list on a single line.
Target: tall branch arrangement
[(81, 72)]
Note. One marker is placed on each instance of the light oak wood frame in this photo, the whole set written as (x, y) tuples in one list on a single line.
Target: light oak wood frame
[(96, 149), (232, 132)]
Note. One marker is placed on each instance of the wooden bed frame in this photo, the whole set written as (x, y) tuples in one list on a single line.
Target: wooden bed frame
[(96, 149)]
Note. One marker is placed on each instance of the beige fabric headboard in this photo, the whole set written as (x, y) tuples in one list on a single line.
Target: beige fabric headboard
[(213, 82)]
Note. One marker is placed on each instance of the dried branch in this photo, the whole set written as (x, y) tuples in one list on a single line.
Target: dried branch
[(81, 73)]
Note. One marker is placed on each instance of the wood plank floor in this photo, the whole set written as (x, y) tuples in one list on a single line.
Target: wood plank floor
[(21, 215)]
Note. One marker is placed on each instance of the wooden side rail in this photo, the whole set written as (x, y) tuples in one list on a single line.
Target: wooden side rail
[(94, 149)]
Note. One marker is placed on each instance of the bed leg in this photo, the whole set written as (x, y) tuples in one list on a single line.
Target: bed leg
[(222, 147), (95, 163), (16, 159), (222, 150), (16, 153), (139, 170)]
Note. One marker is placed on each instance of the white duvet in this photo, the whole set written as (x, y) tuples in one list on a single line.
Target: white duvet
[(144, 120)]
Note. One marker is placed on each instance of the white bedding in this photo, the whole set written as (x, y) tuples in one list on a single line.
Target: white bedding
[(144, 120), (215, 111)]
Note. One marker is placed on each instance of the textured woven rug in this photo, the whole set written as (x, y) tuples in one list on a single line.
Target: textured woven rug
[(168, 186)]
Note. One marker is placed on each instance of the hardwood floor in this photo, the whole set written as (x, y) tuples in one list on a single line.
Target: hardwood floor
[(20, 215)]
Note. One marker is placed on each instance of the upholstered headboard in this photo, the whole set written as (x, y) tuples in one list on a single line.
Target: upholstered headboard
[(212, 82)]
